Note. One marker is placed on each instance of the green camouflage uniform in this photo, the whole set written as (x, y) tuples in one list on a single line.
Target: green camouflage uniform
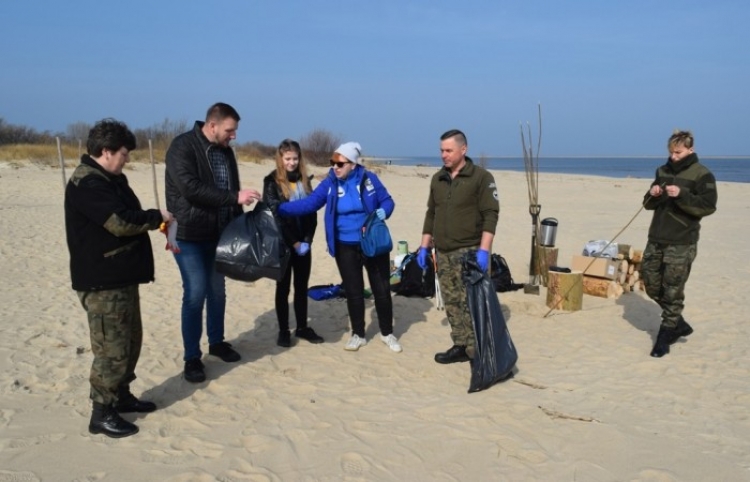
[(674, 232), (116, 335), (454, 297), (110, 255), (459, 210)]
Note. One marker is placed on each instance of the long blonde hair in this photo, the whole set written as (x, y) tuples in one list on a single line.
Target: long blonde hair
[(281, 174)]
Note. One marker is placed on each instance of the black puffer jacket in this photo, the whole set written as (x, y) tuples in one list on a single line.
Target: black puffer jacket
[(192, 195), (678, 220), (294, 229), (107, 230)]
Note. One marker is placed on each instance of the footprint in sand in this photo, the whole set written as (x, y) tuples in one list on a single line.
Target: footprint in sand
[(32, 441), (353, 464), (8, 476)]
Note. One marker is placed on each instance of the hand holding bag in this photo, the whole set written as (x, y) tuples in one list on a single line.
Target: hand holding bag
[(376, 238), (252, 247)]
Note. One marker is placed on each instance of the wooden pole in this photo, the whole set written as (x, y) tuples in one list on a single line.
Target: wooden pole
[(153, 172), (62, 161)]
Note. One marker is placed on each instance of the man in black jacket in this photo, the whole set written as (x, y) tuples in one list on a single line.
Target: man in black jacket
[(110, 255), (203, 191), (682, 193)]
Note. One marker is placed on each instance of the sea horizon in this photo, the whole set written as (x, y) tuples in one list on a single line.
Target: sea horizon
[(724, 168)]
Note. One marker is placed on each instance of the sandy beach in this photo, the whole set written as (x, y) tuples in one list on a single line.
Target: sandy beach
[(587, 403)]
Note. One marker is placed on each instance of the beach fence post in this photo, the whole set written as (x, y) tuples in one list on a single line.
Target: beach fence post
[(62, 161), (153, 172)]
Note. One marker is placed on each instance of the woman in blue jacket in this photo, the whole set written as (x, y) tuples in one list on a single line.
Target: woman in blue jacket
[(350, 193)]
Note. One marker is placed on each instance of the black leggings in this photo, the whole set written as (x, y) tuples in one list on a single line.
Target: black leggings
[(350, 260), (301, 266)]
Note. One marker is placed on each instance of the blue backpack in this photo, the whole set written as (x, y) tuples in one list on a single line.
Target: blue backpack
[(376, 238)]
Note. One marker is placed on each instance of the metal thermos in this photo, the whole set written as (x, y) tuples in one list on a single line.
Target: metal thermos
[(548, 232)]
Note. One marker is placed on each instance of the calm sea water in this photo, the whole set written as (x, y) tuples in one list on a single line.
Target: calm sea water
[(733, 169)]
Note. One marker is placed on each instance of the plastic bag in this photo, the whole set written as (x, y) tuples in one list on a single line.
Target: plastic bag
[(495, 355), (252, 247), (325, 292), (597, 248)]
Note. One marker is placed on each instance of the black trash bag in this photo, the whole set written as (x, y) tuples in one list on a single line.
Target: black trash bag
[(252, 247), (495, 355)]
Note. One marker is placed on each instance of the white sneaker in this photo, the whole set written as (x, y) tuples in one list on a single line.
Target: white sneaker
[(354, 343), (392, 342)]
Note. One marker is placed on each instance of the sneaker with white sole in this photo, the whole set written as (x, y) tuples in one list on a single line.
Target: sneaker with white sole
[(354, 343), (392, 342)]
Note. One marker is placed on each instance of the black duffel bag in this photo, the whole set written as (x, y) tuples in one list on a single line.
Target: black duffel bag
[(252, 247)]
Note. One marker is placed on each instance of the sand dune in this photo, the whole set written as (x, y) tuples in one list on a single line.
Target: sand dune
[(586, 404)]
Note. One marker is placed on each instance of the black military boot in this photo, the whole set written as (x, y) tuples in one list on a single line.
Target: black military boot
[(455, 354), (127, 403), (106, 420), (663, 340), (682, 329)]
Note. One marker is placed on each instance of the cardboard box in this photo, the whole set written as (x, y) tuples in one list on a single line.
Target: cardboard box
[(600, 268)]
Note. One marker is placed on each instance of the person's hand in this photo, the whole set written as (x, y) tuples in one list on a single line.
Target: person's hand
[(248, 196), (423, 256), (672, 191), (483, 259), (302, 249), (380, 213), (655, 191), (166, 216)]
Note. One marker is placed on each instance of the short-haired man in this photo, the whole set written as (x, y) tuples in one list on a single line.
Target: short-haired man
[(462, 213), (203, 191), (110, 255)]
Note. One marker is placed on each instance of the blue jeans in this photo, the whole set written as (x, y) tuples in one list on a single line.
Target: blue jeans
[(201, 284)]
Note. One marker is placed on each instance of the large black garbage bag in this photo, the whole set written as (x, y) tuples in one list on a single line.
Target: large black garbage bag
[(495, 354), (252, 247)]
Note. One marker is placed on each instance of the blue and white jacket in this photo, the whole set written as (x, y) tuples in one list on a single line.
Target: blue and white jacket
[(372, 192)]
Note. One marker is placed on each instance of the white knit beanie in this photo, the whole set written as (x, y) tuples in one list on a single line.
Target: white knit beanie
[(350, 150)]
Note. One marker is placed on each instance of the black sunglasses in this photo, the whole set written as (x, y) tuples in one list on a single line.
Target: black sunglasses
[(338, 164)]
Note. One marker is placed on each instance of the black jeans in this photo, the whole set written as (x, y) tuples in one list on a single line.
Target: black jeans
[(301, 266), (350, 261)]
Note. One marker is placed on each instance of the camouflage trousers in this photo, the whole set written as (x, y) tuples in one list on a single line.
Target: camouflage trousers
[(116, 335), (454, 297), (665, 270)]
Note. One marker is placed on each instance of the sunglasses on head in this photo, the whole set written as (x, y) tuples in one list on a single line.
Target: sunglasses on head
[(338, 164)]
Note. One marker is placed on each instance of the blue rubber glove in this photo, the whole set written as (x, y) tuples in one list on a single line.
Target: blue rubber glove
[(483, 259), (303, 249), (423, 256), (380, 213)]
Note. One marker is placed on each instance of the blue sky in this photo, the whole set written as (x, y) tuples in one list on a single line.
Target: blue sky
[(612, 78)]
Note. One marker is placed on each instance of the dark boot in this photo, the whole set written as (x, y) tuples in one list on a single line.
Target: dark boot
[(682, 329), (127, 403), (663, 340), (106, 420), (455, 354)]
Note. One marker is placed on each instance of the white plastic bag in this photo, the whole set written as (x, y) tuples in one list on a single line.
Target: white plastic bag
[(597, 248)]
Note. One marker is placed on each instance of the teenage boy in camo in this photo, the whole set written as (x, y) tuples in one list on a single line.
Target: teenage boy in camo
[(110, 255), (683, 192)]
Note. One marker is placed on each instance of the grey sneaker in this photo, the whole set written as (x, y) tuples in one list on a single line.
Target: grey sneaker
[(354, 343)]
